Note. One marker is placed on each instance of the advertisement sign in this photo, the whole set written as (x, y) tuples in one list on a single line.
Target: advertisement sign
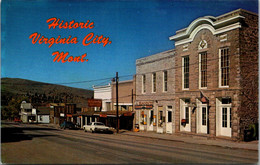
[(94, 102)]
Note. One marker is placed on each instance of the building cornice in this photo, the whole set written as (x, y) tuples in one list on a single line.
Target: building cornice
[(216, 25)]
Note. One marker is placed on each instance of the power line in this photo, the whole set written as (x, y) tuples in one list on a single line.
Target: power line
[(110, 78)]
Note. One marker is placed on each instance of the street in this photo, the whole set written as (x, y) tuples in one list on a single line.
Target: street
[(35, 144)]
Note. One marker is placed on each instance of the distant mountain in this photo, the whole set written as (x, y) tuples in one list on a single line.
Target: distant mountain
[(38, 92)]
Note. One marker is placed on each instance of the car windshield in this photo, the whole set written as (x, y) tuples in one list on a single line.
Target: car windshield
[(99, 124)]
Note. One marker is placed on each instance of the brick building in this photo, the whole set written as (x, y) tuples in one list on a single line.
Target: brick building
[(216, 75), (154, 105)]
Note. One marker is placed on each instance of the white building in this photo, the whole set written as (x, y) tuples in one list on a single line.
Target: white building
[(104, 93)]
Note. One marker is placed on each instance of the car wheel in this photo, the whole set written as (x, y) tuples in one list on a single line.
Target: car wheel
[(92, 131), (85, 130)]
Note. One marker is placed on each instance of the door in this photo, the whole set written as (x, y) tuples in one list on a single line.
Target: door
[(225, 121), (169, 120), (150, 120), (185, 114), (202, 119)]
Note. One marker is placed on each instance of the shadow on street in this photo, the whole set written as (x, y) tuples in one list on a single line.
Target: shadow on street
[(14, 134)]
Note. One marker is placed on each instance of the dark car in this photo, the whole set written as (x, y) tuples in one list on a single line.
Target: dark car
[(68, 125)]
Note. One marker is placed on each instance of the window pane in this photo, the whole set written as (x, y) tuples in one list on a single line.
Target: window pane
[(186, 71), (204, 117), (203, 69), (154, 82), (187, 115), (144, 79), (169, 116), (165, 80), (224, 117), (225, 67)]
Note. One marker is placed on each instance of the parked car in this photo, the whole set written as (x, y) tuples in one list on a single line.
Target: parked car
[(96, 127), (67, 124)]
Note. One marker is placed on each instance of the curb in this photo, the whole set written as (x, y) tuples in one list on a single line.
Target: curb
[(183, 141)]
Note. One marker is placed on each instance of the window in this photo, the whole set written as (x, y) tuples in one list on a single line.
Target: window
[(187, 114), (185, 62), (161, 115), (230, 121), (224, 117), (204, 117), (203, 69), (169, 116), (224, 67), (165, 79), (154, 82), (143, 84), (151, 117)]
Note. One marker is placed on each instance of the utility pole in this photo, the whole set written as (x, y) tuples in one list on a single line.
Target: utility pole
[(132, 100), (117, 121)]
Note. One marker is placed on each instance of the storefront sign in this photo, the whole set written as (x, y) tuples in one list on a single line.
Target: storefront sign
[(103, 115), (62, 115), (143, 106), (94, 102)]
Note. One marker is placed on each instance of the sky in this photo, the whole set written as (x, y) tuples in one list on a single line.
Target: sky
[(136, 29)]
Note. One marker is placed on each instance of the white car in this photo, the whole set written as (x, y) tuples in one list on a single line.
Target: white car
[(95, 127)]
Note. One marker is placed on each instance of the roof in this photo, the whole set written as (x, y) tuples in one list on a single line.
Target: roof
[(26, 106), (217, 25), (43, 110), (106, 113)]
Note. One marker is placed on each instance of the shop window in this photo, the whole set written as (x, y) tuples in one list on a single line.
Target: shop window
[(143, 116), (160, 117), (151, 117), (154, 120)]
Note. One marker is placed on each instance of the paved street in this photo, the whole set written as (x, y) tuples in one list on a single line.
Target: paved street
[(33, 144)]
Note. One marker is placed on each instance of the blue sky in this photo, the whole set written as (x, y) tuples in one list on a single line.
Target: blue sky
[(136, 29)]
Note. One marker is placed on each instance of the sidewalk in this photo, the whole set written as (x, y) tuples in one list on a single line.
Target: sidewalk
[(253, 145)]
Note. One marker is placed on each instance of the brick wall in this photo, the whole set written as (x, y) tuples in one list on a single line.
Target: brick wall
[(248, 39)]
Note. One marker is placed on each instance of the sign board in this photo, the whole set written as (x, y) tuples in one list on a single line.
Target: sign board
[(62, 115), (33, 111), (95, 102), (143, 107)]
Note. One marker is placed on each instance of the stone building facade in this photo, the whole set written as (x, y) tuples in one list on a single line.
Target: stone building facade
[(154, 104), (216, 75)]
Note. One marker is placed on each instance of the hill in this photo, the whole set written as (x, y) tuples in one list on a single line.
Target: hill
[(39, 92)]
